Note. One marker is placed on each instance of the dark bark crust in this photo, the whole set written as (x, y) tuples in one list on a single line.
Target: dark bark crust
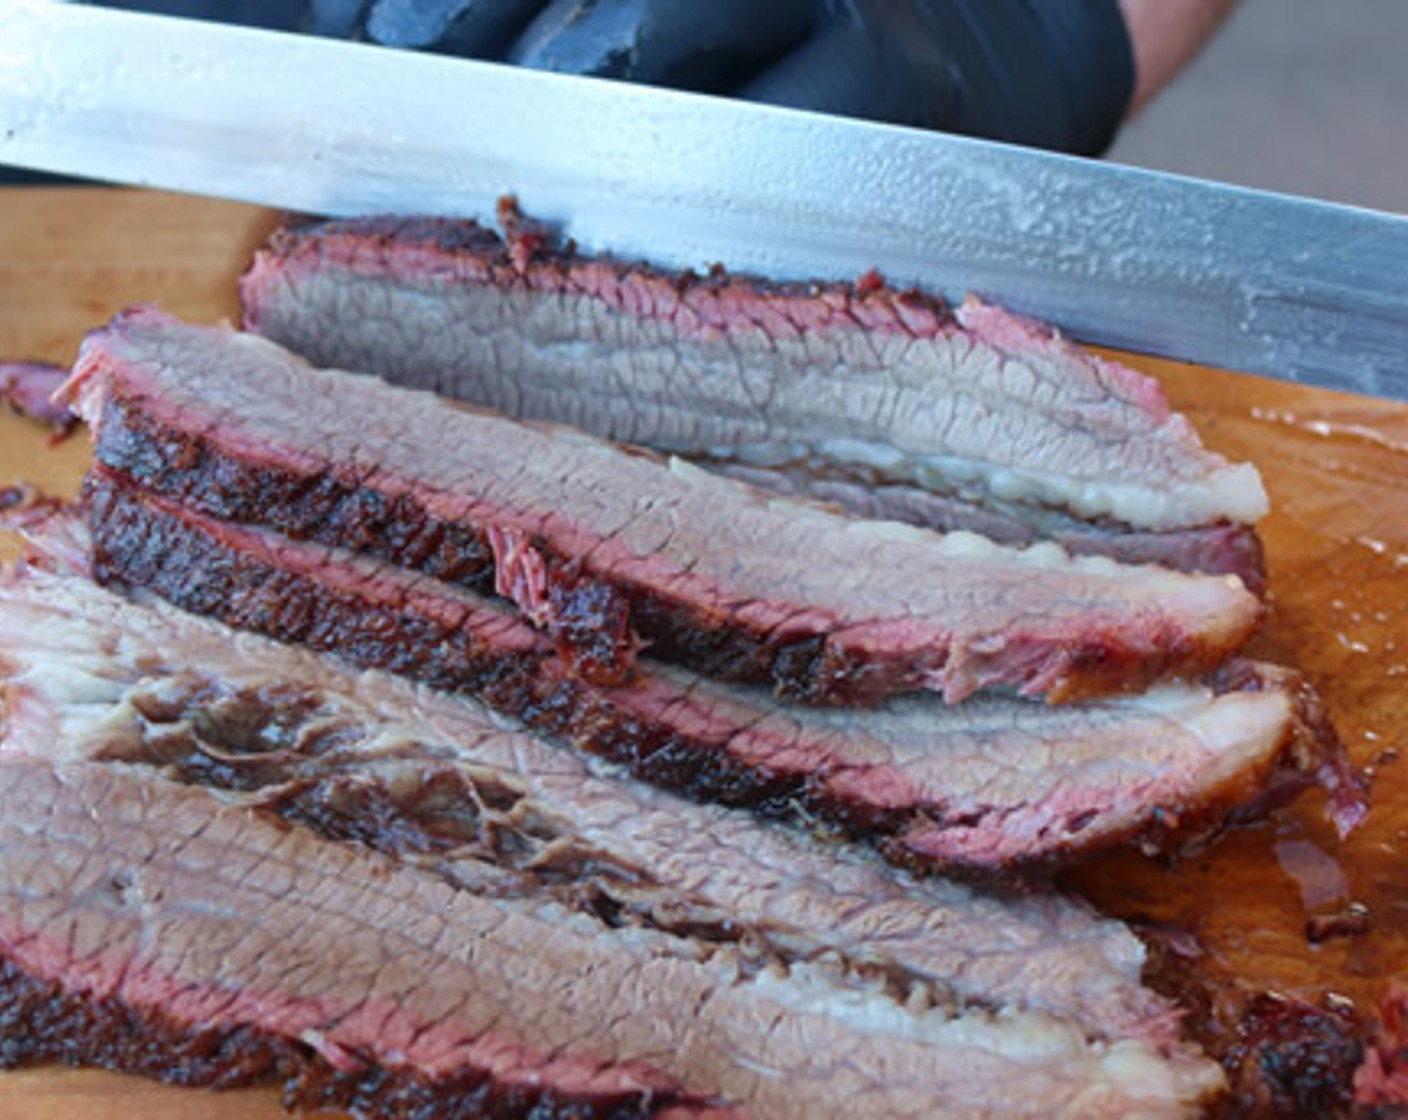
[(590, 621), (41, 1024), (138, 544), (237, 576)]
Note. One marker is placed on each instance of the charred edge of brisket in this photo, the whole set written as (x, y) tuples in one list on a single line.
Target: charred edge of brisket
[(140, 540), (1290, 1058), (41, 1024), (530, 255), (337, 509), (588, 620), (590, 624), (333, 507), (1284, 1057), (135, 545)]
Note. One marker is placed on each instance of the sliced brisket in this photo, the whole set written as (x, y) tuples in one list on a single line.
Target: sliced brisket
[(991, 786), (149, 905), (29, 388), (711, 573), (995, 415), (212, 918), (90, 676)]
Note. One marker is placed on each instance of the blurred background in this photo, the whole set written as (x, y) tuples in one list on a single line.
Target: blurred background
[(1304, 96)]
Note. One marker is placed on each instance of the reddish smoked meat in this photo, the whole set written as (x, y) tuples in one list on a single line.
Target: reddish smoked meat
[(890, 403), (717, 576), (932, 785)]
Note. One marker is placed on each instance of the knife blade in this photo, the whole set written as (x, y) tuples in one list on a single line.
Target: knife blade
[(1138, 260)]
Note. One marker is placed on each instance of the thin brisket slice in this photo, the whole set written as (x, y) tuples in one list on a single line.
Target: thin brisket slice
[(592, 541), (856, 393), (28, 388), (425, 775), (995, 785), (503, 961), (157, 905)]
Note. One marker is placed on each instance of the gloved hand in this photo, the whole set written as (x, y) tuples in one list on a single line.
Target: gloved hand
[(1047, 73)]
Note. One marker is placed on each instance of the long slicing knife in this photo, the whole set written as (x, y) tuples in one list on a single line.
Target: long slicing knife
[(1147, 262)]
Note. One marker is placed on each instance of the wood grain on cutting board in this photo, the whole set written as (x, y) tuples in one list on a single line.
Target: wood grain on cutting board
[(1337, 544)]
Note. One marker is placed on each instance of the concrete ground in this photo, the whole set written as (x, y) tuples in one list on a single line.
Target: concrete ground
[(1308, 97)]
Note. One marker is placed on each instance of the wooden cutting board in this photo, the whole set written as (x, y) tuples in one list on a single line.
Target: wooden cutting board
[(1337, 544)]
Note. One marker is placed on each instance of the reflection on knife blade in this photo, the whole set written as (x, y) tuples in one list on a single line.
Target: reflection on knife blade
[(1153, 263)]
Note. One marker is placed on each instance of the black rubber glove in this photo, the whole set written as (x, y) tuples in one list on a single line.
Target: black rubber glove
[(1046, 73), (695, 44), (472, 28)]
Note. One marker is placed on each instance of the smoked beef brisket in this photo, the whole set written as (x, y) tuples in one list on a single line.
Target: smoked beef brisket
[(286, 727), (28, 388), (991, 786), (888, 402), (600, 546), (754, 973)]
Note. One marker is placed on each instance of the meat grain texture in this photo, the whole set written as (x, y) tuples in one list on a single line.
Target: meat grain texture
[(828, 986), (891, 403), (163, 777), (994, 786), (714, 574)]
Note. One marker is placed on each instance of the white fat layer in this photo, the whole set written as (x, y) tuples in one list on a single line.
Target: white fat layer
[(961, 544), (1023, 1036), (1229, 725), (1239, 724), (1233, 492)]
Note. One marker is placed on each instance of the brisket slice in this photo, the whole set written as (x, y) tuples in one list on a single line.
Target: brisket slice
[(150, 902), (158, 904), (711, 573), (29, 387), (995, 413), (46, 1022), (90, 676), (992, 786), (1222, 547)]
